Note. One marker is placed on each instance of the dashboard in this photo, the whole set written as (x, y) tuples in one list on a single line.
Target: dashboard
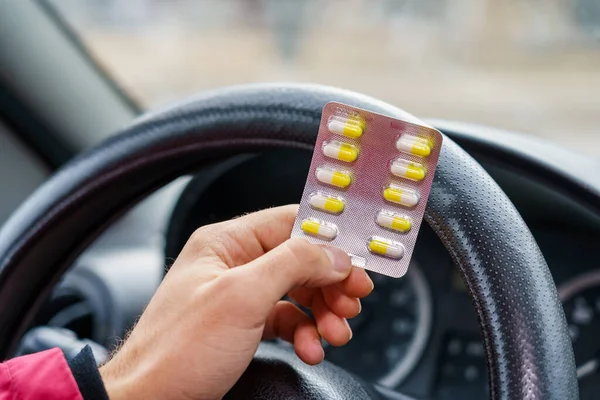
[(418, 334)]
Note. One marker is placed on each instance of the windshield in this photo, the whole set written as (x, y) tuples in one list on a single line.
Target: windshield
[(526, 65)]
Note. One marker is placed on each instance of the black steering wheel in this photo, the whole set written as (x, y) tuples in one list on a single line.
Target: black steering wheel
[(527, 346)]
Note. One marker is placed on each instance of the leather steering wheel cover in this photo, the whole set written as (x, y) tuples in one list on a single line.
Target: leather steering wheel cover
[(528, 350)]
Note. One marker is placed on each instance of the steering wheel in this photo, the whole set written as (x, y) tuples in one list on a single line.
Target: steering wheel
[(527, 346)]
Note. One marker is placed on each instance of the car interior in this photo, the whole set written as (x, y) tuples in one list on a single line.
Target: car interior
[(102, 185)]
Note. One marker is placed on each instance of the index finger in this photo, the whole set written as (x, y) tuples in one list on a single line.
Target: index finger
[(272, 226), (243, 239)]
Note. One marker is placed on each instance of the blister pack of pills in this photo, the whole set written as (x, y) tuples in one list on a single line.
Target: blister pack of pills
[(367, 186)]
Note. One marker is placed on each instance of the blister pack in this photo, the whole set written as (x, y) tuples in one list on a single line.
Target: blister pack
[(367, 186)]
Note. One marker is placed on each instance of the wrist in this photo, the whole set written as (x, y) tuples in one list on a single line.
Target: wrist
[(117, 382)]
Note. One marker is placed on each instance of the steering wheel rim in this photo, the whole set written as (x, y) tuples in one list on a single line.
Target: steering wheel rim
[(528, 350)]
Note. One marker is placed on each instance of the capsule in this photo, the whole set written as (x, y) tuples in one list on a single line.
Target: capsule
[(319, 228), (414, 145), (330, 204), (408, 169), (349, 126), (330, 176), (386, 248), (401, 195), (340, 151), (391, 220)]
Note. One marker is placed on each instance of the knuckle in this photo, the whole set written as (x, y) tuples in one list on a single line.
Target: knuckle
[(211, 240), (199, 236)]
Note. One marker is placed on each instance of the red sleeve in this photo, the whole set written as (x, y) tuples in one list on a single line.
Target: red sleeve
[(38, 376)]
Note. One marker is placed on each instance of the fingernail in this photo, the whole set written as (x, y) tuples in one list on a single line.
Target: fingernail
[(372, 284), (320, 346), (349, 328), (339, 259)]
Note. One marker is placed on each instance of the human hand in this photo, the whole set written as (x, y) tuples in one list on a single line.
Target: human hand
[(222, 296)]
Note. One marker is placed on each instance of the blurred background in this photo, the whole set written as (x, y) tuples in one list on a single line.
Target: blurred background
[(527, 65)]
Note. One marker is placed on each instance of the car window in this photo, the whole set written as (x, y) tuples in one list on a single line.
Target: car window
[(20, 172), (527, 65)]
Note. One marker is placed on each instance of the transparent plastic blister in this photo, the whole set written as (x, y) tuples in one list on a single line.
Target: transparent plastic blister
[(368, 185)]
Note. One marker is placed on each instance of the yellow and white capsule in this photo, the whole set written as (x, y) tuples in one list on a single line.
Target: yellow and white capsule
[(330, 176), (414, 145), (386, 248), (407, 169), (340, 151), (330, 204), (321, 229), (350, 126), (391, 220), (401, 195)]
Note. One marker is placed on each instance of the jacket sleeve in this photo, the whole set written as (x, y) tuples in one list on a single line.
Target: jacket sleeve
[(86, 374), (45, 375)]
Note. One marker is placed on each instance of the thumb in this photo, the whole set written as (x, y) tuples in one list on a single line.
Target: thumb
[(296, 262)]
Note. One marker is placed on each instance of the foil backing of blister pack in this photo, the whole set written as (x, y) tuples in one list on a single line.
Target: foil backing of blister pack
[(346, 186)]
